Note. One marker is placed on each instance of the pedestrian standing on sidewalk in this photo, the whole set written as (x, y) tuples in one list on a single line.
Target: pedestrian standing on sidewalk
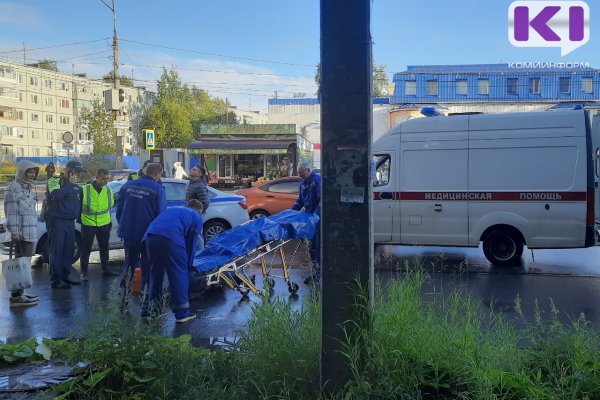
[(197, 190), (50, 170), (97, 201), (171, 245), (140, 202), (20, 202), (64, 207)]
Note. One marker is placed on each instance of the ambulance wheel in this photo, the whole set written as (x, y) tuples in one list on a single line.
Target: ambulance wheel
[(503, 246), (292, 287)]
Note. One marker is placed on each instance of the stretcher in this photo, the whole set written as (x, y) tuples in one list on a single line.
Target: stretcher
[(225, 259), (234, 275)]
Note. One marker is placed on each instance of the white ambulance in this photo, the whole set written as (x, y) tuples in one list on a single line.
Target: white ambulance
[(506, 180)]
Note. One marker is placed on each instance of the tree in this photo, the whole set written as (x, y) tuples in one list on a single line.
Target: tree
[(99, 124), (123, 80), (178, 109), (47, 64), (379, 80)]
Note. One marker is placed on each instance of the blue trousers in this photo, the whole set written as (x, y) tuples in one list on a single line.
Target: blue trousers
[(135, 252), (62, 247), (165, 256), (315, 249)]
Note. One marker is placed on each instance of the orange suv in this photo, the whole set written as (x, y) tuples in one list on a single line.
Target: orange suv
[(271, 197)]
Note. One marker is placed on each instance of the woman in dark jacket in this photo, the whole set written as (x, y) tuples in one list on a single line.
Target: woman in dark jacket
[(197, 190), (197, 186)]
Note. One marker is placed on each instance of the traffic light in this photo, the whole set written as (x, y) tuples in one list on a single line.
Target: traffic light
[(121, 95)]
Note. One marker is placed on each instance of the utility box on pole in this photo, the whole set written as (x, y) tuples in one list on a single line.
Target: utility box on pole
[(111, 100)]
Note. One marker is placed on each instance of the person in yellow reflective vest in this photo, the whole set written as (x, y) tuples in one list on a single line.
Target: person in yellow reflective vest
[(97, 200), (137, 175)]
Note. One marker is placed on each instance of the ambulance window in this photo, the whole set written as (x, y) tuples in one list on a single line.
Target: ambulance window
[(382, 169)]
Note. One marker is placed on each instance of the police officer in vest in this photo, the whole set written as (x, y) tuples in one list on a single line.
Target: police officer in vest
[(97, 201), (137, 175), (64, 207)]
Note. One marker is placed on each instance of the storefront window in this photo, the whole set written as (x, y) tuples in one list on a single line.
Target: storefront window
[(225, 165), (249, 165), (211, 165), (272, 163)]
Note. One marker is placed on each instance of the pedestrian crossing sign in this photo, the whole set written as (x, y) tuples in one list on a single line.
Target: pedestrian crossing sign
[(149, 136)]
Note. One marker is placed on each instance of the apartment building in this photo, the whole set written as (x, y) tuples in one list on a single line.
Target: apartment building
[(37, 106)]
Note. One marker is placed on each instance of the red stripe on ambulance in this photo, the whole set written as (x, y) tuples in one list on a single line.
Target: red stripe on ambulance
[(487, 196)]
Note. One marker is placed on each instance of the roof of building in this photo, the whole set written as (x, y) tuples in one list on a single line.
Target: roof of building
[(314, 101), (513, 67)]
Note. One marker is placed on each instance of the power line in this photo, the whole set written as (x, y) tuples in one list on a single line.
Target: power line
[(233, 83), (53, 47), (81, 56), (220, 71), (218, 55)]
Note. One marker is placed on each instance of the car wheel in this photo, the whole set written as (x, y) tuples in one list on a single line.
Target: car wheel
[(44, 250), (256, 214), (214, 228), (503, 247)]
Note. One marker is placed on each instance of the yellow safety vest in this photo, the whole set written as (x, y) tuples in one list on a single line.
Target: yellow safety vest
[(95, 210), (53, 184)]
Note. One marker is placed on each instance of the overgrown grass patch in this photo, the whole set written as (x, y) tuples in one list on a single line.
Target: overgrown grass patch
[(419, 347)]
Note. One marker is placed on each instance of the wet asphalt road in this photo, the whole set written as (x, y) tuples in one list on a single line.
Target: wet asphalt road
[(570, 277)]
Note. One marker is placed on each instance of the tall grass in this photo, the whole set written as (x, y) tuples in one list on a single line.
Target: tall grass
[(413, 346), (446, 347)]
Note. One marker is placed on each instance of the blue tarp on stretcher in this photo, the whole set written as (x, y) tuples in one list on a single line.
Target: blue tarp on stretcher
[(242, 239)]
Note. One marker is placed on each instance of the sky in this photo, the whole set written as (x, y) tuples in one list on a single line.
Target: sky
[(246, 51)]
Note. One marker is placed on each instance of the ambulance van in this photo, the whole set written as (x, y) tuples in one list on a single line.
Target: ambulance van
[(503, 180)]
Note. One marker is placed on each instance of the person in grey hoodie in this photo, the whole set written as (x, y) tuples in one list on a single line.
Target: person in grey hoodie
[(20, 202), (197, 190)]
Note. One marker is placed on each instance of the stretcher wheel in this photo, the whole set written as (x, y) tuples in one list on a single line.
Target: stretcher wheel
[(244, 291), (292, 287)]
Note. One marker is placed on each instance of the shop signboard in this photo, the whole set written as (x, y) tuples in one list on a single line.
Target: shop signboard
[(248, 129), (237, 151)]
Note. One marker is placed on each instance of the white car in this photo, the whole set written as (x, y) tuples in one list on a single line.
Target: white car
[(225, 211)]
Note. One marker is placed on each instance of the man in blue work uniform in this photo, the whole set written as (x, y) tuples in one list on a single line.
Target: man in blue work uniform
[(64, 207), (171, 245), (309, 199), (139, 202)]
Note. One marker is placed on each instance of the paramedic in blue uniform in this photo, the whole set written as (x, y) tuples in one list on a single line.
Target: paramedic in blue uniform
[(139, 202), (171, 245), (64, 207), (309, 200)]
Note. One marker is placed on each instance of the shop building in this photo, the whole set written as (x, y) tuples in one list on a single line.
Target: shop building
[(235, 155)]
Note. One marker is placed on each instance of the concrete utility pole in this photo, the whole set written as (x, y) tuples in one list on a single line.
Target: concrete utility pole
[(116, 82), (346, 136)]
